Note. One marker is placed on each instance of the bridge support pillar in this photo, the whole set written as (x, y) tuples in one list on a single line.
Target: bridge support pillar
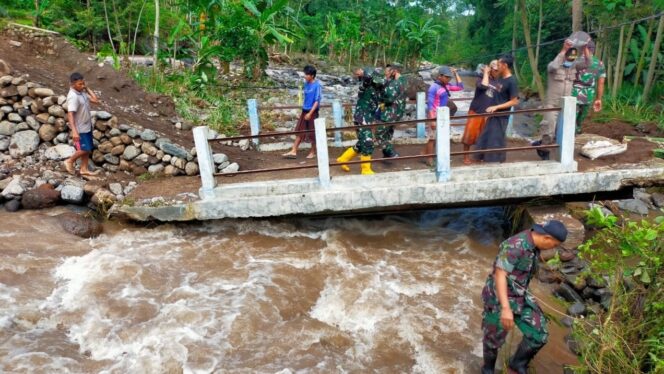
[(254, 121), (338, 113), (443, 144), (205, 162), (565, 132), (321, 153), (421, 114)]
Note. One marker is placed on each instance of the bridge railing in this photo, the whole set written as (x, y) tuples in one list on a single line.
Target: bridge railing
[(565, 131), (338, 110)]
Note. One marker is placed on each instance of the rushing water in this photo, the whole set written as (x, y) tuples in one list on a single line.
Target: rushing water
[(388, 294)]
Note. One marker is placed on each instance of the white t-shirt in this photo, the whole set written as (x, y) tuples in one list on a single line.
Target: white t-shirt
[(79, 103)]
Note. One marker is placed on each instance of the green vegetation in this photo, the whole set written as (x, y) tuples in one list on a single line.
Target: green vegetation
[(212, 34), (629, 336)]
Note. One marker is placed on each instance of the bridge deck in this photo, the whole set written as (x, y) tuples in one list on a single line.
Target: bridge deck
[(387, 191)]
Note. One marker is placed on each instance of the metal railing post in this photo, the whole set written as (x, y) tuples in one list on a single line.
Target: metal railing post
[(254, 121), (205, 162), (338, 113), (421, 114), (510, 125), (443, 144), (565, 133), (321, 153)]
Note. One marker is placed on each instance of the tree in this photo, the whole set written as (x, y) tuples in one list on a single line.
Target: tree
[(577, 15), (155, 39), (653, 60), (531, 54)]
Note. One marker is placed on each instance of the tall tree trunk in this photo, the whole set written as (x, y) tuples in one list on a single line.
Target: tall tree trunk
[(653, 60), (623, 58), (138, 22), (644, 50), (514, 23), (531, 53), (117, 25), (616, 70), (577, 14), (155, 38), (539, 36), (108, 25), (37, 21)]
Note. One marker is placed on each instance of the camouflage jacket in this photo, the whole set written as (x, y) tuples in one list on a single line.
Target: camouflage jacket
[(367, 103), (518, 257), (394, 98), (585, 84)]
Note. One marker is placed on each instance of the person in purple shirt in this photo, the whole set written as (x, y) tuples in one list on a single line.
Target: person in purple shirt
[(312, 97), (437, 96)]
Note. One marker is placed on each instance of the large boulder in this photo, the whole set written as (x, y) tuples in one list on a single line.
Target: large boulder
[(4, 143), (80, 225), (174, 150), (47, 132), (44, 196), (7, 128), (415, 84), (59, 152), (5, 68), (13, 188), (72, 193), (23, 143)]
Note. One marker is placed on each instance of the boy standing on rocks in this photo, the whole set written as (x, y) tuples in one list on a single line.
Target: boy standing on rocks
[(80, 123)]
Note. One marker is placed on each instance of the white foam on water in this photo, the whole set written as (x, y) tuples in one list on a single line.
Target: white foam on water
[(151, 301), (41, 362)]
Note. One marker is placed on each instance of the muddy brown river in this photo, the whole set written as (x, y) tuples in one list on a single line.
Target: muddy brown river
[(380, 294)]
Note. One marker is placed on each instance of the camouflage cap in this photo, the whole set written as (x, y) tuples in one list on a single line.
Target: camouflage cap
[(378, 77)]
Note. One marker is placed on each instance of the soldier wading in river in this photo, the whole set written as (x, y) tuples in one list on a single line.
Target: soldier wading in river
[(506, 298)]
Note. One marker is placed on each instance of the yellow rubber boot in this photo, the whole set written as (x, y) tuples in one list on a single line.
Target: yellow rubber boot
[(366, 166), (345, 157)]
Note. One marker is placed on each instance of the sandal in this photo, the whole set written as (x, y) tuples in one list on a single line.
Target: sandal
[(69, 167), (289, 156)]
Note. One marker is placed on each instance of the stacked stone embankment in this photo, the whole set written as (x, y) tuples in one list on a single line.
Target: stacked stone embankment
[(35, 139)]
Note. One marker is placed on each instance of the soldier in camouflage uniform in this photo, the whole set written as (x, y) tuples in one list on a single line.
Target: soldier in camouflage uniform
[(365, 113), (588, 86), (507, 300), (393, 108)]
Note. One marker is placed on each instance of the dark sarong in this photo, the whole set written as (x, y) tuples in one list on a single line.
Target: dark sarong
[(303, 124), (493, 136)]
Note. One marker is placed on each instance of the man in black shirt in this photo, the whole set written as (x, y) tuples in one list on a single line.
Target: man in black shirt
[(506, 96)]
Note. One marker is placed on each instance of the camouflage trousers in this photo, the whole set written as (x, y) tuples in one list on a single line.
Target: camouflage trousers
[(529, 319), (581, 114), (384, 136), (582, 110), (365, 142)]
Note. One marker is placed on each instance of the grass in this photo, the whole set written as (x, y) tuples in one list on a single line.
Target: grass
[(628, 106), (202, 106)]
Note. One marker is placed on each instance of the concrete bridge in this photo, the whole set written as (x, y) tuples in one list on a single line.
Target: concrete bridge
[(479, 184)]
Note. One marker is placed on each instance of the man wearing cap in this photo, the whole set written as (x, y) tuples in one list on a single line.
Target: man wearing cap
[(437, 96), (365, 113), (506, 298), (394, 102), (589, 84)]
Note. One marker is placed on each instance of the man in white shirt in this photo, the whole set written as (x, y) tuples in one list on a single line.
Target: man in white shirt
[(80, 123)]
